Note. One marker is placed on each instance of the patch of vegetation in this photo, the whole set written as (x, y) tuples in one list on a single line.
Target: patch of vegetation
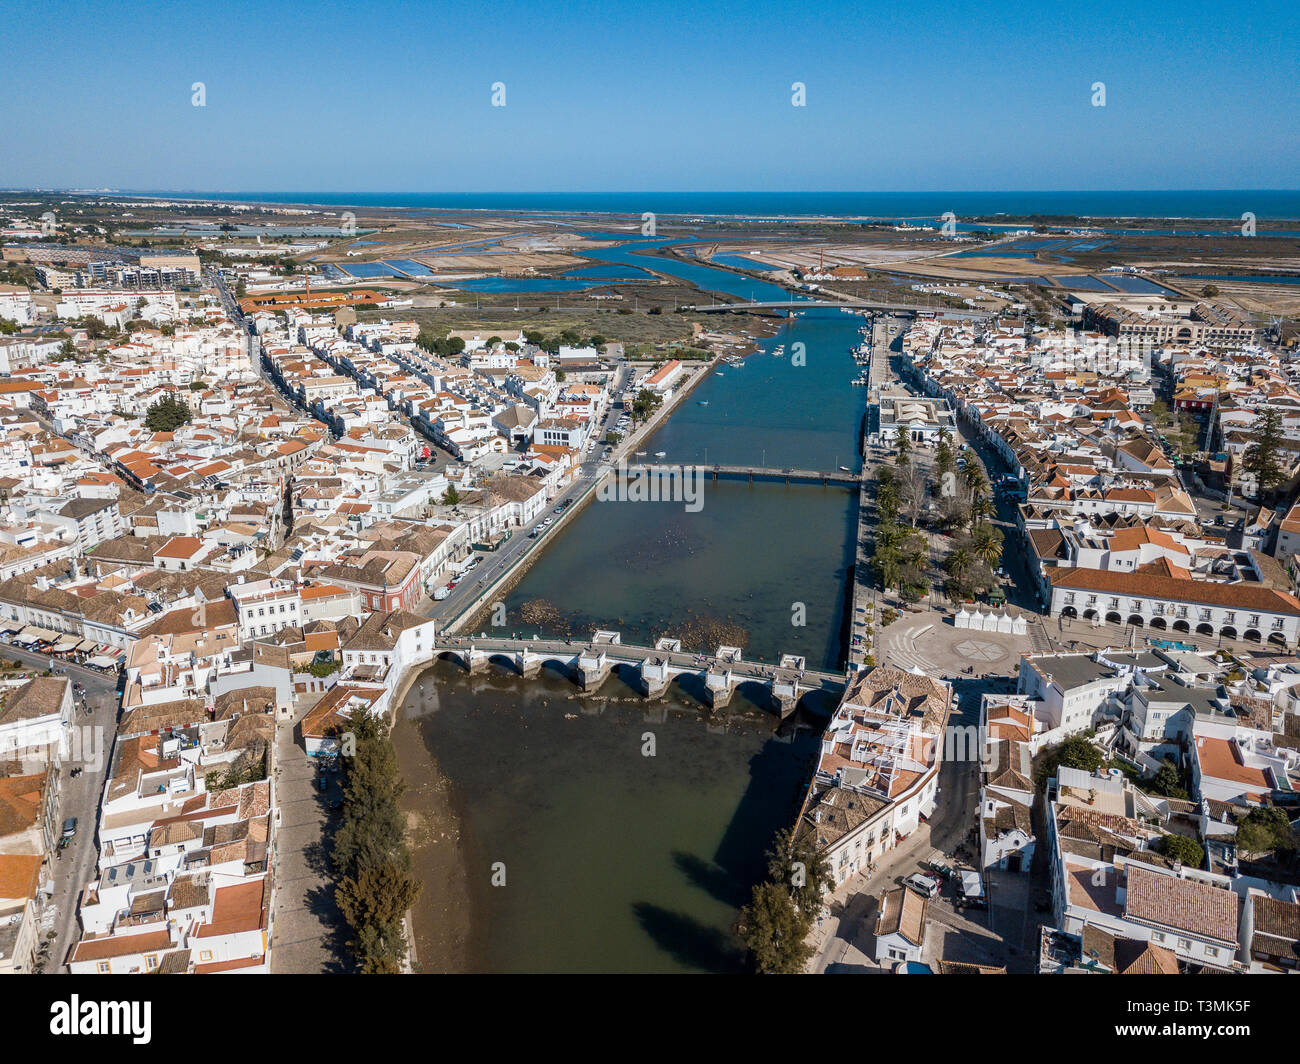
[(1180, 848), (1262, 830), (167, 414), (1168, 781), (776, 922), (1076, 752), (370, 861)]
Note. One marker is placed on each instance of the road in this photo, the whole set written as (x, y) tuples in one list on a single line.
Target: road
[(80, 797), (498, 564), (846, 935)]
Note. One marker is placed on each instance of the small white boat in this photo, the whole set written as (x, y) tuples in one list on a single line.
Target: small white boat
[(845, 469), (660, 454), (703, 402)]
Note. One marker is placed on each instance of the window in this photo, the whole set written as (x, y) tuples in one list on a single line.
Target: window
[(1157, 936), (205, 955), (1184, 944), (1211, 951), (102, 967)]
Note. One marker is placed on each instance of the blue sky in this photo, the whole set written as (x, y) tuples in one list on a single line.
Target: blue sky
[(613, 96)]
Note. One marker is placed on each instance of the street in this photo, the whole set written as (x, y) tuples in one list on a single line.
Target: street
[(80, 797)]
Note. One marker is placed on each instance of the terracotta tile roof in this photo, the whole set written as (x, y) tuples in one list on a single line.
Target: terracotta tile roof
[(1238, 596), (1181, 905), (903, 911), (20, 873)]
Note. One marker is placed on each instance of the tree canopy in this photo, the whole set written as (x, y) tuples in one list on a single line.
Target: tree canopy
[(167, 414)]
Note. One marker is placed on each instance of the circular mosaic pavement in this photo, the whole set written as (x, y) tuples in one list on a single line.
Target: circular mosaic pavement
[(979, 650)]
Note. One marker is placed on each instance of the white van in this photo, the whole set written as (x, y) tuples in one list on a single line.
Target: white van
[(926, 886)]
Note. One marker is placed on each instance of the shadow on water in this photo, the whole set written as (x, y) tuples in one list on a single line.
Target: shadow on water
[(711, 878), (688, 941), (778, 777)]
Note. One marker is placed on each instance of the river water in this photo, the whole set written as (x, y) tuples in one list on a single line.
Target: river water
[(604, 859), (615, 861)]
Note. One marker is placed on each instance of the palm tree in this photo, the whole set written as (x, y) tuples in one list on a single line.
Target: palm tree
[(982, 508), (974, 477), (986, 542), (958, 562)]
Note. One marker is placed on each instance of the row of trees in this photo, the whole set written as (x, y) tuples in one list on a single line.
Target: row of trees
[(965, 508), (898, 559), (782, 909), (645, 404), (443, 346), (371, 864)]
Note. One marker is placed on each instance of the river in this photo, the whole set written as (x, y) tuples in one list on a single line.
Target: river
[(615, 861)]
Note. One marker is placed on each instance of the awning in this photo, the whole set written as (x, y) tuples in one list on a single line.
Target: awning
[(102, 662), (64, 645), (86, 646)]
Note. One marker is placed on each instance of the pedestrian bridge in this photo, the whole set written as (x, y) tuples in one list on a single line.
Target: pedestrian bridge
[(835, 304), (754, 473), (591, 662)]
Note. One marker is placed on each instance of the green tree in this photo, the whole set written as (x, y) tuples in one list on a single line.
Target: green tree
[(369, 858), (451, 496), (986, 542), (1168, 781), (1180, 848), (167, 414), (944, 460), (1263, 456), (1075, 752), (1262, 830), (775, 931), (802, 868), (902, 444), (973, 475), (645, 404), (374, 903)]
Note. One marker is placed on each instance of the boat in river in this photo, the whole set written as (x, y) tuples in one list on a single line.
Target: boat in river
[(703, 402), (660, 454)]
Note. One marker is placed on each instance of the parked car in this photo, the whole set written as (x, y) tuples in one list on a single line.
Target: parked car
[(940, 869), (926, 886), (70, 827)]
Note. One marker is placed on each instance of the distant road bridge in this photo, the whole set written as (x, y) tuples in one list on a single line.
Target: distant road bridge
[(752, 473), (716, 676), (835, 304)]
